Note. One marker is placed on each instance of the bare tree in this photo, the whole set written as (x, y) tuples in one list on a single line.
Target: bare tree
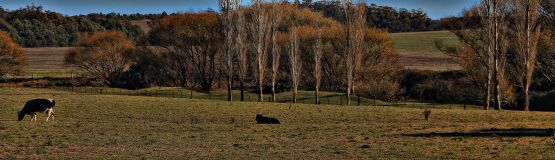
[(355, 23), (528, 31), (276, 53), (295, 62), (229, 8), (500, 48), (318, 53), (261, 28), (494, 12), (487, 22), (359, 30), (241, 47)]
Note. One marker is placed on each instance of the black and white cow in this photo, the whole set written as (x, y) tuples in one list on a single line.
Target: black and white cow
[(37, 105)]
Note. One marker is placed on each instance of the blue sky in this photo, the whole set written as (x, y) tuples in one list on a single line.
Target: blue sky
[(435, 8)]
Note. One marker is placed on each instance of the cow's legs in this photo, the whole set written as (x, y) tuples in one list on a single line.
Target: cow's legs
[(49, 112), (33, 117)]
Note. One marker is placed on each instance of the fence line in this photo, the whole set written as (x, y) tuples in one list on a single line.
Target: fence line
[(333, 99)]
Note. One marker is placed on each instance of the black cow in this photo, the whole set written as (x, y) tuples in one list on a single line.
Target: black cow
[(37, 105), (260, 119)]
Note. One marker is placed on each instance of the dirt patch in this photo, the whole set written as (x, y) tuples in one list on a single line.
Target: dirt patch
[(143, 24)]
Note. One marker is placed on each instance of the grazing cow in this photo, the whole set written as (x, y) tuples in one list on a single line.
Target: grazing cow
[(37, 105), (260, 119)]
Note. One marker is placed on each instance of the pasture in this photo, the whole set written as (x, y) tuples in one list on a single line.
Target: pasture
[(94, 126), (418, 50)]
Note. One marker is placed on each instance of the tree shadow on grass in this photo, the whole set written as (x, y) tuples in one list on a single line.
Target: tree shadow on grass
[(513, 132)]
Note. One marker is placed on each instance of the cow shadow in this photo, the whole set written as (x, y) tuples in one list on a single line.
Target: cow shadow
[(512, 132)]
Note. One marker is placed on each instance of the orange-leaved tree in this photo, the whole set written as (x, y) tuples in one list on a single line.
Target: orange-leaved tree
[(104, 55), (12, 56)]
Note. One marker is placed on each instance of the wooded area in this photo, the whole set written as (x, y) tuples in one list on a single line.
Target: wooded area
[(34, 27)]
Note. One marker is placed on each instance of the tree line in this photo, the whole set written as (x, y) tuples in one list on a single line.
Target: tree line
[(384, 17), (33, 26), (265, 48)]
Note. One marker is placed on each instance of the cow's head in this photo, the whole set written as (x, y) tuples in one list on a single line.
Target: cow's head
[(20, 116), (52, 104)]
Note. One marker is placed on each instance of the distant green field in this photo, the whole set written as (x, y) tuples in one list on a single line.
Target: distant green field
[(422, 42), (418, 50), (89, 126)]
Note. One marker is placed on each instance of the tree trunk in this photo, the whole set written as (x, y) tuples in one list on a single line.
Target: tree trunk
[(295, 95), (229, 90), (527, 96), (489, 87), (349, 95), (497, 90), (317, 96), (242, 87), (274, 90), (260, 93)]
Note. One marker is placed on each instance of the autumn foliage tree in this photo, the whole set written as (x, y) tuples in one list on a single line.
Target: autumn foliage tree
[(194, 41), (379, 78), (104, 55), (12, 56)]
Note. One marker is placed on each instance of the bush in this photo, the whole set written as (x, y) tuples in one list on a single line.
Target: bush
[(104, 55)]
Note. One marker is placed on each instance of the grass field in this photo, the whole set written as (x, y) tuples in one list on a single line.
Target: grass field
[(423, 42), (132, 127)]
